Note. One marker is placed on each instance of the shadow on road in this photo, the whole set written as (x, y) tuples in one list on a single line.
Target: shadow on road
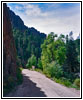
[(31, 89), (27, 89)]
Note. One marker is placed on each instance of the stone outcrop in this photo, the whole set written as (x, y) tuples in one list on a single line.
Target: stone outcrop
[(9, 50)]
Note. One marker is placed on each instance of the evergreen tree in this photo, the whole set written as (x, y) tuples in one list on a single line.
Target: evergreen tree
[(71, 56)]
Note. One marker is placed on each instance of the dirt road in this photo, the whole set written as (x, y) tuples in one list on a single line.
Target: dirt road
[(37, 85)]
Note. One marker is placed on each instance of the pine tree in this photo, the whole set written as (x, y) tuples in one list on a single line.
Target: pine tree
[(71, 56)]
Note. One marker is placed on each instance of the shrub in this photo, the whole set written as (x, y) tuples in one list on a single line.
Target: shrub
[(67, 83), (47, 72), (21, 68), (53, 70), (70, 76), (77, 82), (40, 64), (63, 81), (31, 62), (19, 76)]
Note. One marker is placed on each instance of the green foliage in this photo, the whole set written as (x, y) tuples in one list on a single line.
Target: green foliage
[(21, 68), (38, 70), (72, 63), (67, 83), (60, 59), (59, 55), (47, 50), (77, 42), (60, 51), (31, 62), (40, 64), (63, 81), (70, 76), (53, 50), (77, 82), (18, 61), (53, 70), (19, 75), (47, 72), (28, 42)]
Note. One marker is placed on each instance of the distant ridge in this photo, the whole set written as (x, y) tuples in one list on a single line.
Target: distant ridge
[(27, 40)]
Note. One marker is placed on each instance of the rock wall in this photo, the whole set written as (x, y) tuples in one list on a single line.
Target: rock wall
[(9, 50)]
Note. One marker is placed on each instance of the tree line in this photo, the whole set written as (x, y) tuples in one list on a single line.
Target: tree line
[(60, 58)]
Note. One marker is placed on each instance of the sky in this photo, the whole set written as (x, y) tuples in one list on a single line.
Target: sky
[(60, 18)]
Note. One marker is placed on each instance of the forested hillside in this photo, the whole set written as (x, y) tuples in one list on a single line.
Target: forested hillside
[(28, 40), (60, 57)]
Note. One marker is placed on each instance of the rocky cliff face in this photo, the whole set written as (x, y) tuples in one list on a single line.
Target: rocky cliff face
[(9, 51)]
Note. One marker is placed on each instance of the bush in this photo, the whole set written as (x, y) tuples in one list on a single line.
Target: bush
[(53, 70), (46, 71), (63, 81), (31, 62), (40, 64), (77, 82), (19, 76), (70, 76), (67, 83)]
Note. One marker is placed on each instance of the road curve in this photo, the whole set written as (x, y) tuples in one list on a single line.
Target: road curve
[(36, 84)]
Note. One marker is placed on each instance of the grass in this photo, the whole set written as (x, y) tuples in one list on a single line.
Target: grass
[(38, 70), (76, 87), (64, 81)]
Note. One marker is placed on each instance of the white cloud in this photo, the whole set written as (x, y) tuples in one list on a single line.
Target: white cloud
[(18, 8), (34, 10), (56, 20)]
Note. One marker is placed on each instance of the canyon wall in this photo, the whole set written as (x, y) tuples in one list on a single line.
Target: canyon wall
[(9, 50)]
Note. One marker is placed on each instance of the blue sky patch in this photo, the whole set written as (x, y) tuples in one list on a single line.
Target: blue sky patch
[(50, 17)]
